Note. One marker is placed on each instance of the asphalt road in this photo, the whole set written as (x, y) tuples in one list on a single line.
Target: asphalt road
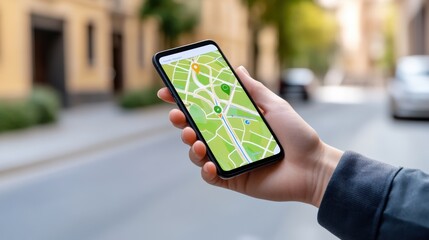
[(147, 189)]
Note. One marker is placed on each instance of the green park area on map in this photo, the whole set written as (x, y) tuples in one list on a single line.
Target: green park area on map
[(227, 119)]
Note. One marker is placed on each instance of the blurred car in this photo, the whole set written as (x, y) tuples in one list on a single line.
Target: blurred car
[(297, 83), (409, 90)]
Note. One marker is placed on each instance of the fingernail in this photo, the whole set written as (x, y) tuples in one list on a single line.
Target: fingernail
[(206, 168), (244, 70), (195, 152)]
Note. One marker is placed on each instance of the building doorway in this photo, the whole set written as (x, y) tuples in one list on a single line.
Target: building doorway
[(48, 55), (117, 54)]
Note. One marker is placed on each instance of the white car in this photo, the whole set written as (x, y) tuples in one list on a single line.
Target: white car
[(409, 91)]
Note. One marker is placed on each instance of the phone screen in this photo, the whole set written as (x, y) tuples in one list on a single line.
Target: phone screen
[(227, 119)]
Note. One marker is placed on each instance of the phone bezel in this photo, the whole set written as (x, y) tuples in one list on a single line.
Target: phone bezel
[(222, 173)]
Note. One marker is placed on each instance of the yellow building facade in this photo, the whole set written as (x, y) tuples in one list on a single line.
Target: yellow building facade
[(88, 50)]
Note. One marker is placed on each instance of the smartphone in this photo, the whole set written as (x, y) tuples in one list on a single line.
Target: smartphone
[(218, 108)]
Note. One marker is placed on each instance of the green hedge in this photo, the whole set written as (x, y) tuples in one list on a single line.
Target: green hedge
[(16, 115), (41, 107), (139, 98), (46, 103)]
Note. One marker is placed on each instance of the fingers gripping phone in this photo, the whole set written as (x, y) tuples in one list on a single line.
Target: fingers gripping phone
[(218, 108)]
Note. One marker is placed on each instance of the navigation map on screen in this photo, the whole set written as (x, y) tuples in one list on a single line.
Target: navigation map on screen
[(225, 116)]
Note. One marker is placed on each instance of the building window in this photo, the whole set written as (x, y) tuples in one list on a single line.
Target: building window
[(140, 46), (90, 43)]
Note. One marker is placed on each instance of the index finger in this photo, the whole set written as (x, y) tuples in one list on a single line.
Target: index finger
[(165, 95)]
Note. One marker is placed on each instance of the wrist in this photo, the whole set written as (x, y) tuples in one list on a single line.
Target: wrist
[(328, 160)]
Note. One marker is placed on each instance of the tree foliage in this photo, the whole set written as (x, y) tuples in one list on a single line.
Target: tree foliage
[(388, 60), (310, 33), (306, 32), (175, 18)]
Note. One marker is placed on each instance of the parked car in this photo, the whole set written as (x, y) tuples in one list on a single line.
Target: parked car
[(297, 83), (409, 90)]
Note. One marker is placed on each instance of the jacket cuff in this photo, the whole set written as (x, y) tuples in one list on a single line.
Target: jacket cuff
[(355, 197)]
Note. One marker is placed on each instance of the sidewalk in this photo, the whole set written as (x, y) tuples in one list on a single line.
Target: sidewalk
[(349, 94), (79, 130)]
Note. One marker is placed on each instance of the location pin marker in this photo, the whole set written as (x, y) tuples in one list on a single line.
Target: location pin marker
[(217, 109), (225, 88), (196, 67)]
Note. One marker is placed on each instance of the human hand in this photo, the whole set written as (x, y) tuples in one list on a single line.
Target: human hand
[(302, 175)]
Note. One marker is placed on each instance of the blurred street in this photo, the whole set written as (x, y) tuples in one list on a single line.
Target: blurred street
[(144, 187)]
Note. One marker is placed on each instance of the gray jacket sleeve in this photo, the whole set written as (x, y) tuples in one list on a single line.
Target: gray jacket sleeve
[(366, 199)]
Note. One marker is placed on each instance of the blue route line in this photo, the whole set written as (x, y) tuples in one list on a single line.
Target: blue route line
[(232, 134)]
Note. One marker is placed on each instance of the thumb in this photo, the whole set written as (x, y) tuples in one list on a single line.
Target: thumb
[(262, 96)]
